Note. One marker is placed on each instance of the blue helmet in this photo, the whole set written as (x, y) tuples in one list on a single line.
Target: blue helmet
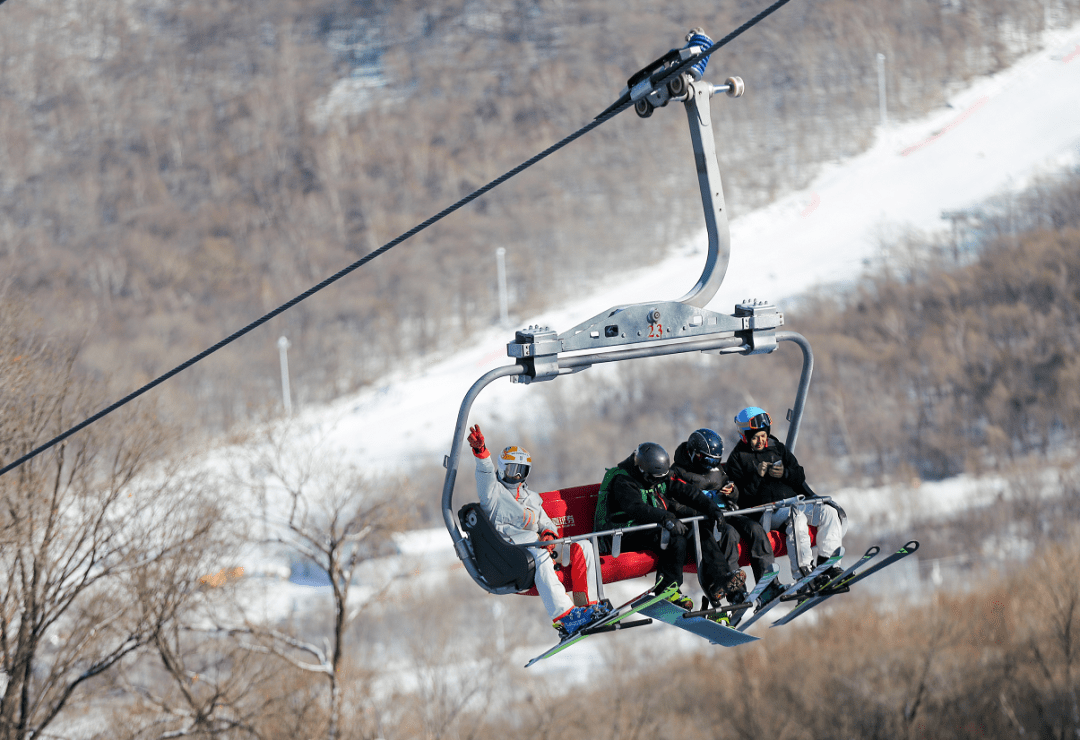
[(751, 420), (706, 448)]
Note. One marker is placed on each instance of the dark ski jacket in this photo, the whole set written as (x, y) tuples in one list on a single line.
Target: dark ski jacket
[(705, 480), (756, 490), (626, 499)]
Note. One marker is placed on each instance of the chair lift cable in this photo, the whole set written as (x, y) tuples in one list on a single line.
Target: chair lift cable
[(615, 109)]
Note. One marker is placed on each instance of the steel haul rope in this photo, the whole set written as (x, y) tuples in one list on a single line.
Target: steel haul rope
[(615, 109)]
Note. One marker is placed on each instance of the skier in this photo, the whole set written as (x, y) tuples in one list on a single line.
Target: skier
[(765, 471), (698, 462), (518, 514), (641, 490)]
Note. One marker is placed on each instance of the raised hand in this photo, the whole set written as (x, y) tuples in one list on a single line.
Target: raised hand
[(476, 441)]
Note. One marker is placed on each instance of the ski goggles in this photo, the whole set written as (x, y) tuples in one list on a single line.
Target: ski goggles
[(758, 421), (709, 461), (515, 472), (654, 478)]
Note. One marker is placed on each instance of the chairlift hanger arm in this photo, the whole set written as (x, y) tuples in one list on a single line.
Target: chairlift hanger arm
[(658, 328)]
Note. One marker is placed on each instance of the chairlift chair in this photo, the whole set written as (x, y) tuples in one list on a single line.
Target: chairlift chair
[(629, 332)]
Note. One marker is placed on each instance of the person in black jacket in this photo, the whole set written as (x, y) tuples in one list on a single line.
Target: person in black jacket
[(640, 490), (766, 471), (698, 462)]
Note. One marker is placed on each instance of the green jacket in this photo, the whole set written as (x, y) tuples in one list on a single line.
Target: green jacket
[(604, 519)]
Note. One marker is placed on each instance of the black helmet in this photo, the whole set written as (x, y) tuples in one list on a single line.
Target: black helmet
[(706, 448), (653, 461)]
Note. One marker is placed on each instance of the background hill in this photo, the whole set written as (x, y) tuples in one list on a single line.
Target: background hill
[(172, 171), (142, 199)]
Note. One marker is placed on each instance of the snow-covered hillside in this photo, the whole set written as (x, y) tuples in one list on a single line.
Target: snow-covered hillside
[(994, 137)]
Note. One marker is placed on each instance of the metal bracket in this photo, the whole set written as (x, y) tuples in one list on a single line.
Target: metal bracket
[(663, 322), (537, 347), (762, 320)]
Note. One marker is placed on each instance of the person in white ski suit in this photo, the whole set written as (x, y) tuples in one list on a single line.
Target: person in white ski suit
[(518, 514)]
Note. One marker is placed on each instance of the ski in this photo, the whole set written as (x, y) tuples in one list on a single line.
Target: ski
[(760, 586), (836, 583), (793, 588), (753, 596), (610, 622), (714, 632), (748, 602), (847, 579)]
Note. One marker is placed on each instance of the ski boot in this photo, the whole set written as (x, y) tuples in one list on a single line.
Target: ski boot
[(808, 589), (823, 580), (772, 591), (734, 590), (573, 620), (681, 600)]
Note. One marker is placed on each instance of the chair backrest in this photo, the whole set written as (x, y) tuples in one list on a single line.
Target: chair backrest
[(499, 561), (572, 509)]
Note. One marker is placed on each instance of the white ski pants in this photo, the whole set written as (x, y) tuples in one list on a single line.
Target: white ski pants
[(577, 559), (798, 520)]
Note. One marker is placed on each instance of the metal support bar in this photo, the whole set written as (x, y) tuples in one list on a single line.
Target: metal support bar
[(699, 116), (804, 384), (697, 542), (451, 462)]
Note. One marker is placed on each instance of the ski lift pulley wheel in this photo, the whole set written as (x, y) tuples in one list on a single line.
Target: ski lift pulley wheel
[(677, 87), (735, 87)]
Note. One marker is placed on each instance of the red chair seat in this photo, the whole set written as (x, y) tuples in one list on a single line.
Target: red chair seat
[(573, 511)]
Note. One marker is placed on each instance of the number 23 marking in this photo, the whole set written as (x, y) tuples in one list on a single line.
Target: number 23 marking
[(656, 331)]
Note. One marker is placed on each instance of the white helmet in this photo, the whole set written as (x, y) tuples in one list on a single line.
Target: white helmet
[(514, 464)]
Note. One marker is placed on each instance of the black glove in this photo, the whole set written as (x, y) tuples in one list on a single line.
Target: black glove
[(673, 525), (716, 512)]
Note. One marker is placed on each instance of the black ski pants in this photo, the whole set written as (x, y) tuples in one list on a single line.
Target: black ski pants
[(752, 533), (716, 560)]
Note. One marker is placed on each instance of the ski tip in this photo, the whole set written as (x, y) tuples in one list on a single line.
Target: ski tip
[(874, 550), (912, 546)]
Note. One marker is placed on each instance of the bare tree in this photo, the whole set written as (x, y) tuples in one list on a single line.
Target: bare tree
[(336, 520), (1055, 649), (200, 686), (89, 535)]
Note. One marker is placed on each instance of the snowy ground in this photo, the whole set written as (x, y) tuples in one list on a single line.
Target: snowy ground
[(827, 234), (984, 143)]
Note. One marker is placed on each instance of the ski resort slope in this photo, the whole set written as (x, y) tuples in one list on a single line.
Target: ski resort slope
[(994, 137)]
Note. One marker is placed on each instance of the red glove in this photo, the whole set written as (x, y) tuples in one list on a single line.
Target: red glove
[(476, 441), (547, 535)]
